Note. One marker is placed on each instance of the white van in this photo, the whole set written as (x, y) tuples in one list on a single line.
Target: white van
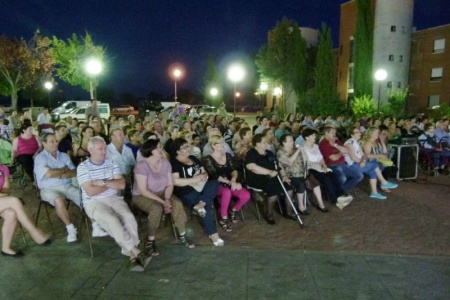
[(79, 113), (70, 105)]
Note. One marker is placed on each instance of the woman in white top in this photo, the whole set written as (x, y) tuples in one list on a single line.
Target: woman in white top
[(356, 159), (317, 167)]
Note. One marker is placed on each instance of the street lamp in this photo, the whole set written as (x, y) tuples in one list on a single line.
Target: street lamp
[(93, 67), (176, 75), (235, 73), (380, 75), (48, 86), (263, 87)]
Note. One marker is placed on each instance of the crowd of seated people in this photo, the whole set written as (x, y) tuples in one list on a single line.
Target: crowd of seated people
[(209, 161)]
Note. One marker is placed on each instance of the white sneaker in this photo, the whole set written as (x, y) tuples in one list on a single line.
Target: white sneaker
[(219, 242), (72, 235), (98, 231), (343, 201)]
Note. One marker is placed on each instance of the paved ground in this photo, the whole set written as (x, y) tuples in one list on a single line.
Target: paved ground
[(395, 249)]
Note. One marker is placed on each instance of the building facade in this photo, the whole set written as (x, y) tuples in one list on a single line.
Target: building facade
[(419, 60), (429, 75)]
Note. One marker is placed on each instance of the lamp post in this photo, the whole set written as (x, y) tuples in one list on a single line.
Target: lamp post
[(380, 75), (263, 87), (277, 92), (235, 73), (93, 67), (48, 86), (176, 75)]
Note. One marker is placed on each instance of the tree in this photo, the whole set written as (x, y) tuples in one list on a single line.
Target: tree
[(211, 80), (71, 57), (364, 106), (325, 91), (363, 51), (24, 64), (283, 59), (397, 100)]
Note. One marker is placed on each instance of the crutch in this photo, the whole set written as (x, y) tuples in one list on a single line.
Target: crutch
[(297, 215)]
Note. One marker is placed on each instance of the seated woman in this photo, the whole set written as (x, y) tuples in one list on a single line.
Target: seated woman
[(356, 159), (271, 142), (12, 210), (153, 193), (134, 141), (169, 136), (80, 151), (221, 167), (262, 174), (431, 145), (25, 148), (294, 164), (245, 144), (193, 187), (375, 150), (318, 168)]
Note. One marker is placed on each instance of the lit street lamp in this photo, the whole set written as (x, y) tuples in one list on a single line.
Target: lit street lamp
[(93, 67), (48, 86), (235, 73), (176, 76), (380, 75)]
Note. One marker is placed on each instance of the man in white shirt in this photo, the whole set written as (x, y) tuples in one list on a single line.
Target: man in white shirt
[(54, 171), (118, 152), (264, 125), (100, 179)]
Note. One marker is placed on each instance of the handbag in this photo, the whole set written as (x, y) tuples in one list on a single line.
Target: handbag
[(386, 162)]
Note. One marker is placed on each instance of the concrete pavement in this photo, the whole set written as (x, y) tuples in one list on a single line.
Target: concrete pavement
[(395, 249)]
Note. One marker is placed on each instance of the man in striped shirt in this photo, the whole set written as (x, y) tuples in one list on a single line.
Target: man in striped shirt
[(100, 180)]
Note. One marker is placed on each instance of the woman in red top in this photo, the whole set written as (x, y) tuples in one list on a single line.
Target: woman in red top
[(12, 210), (25, 147)]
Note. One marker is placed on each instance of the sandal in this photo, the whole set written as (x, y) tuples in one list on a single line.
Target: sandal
[(225, 225), (233, 214), (199, 209), (150, 248), (386, 190), (188, 243)]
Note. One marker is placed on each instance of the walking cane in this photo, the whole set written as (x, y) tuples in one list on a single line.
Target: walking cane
[(297, 215)]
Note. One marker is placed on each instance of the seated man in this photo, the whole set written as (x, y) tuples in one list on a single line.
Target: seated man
[(100, 180), (118, 152), (333, 153), (53, 171)]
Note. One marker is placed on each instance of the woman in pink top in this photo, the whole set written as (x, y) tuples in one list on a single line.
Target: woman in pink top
[(153, 193), (25, 147), (11, 211)]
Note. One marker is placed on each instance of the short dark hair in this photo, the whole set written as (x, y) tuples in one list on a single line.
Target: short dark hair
[(176, 145), (45, 136), (257, 138), (147, 135), (148, 146), (284, 137), (308, 131), (243, 131)]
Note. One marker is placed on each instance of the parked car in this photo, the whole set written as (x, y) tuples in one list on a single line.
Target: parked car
[(123, 108), (147, 106), (207, 110), (79, 113)]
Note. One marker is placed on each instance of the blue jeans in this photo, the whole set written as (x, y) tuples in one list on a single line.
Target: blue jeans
[(368, 169), (207, 195), (347, 176)]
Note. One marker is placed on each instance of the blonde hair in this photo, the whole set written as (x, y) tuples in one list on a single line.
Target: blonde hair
[(214, 139), (368, 133)]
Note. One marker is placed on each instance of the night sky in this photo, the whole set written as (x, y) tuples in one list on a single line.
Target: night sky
[(143, 38)]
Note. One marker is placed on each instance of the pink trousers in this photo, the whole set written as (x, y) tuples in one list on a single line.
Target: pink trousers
[(225, 194)]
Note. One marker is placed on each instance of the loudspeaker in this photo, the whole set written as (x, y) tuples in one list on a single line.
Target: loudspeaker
[(407, 161)]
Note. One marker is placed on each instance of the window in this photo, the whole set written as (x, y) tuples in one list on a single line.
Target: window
[(399, 85), (439, 46), (433, 100), (436, 74), (352, 51), (393, 28), (400, 58), (340, 50), (391, 57), (389, 84)]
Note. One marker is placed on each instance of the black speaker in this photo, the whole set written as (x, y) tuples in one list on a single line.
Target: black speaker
[(406, 158)]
